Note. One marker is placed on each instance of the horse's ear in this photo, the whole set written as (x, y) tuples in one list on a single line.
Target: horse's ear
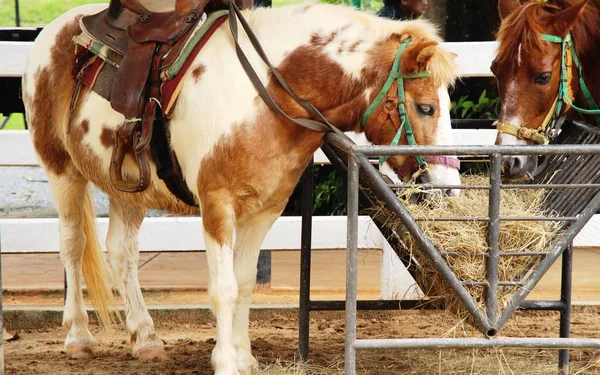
[(418, 56), (563, 21), (506, 7)]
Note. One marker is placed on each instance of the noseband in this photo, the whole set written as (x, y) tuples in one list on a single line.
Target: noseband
[(394, 109), (547, 130)]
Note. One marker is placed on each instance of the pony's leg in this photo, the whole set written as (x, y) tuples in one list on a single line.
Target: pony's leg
[(122, 244), (69, 193), (249, 237), (218, 222)]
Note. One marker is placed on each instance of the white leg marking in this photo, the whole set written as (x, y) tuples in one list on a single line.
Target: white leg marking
[(249, 237), (69, 193), (223, 292), (122, 245)]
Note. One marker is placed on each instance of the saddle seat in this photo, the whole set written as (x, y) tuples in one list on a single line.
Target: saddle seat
[(145, 38)]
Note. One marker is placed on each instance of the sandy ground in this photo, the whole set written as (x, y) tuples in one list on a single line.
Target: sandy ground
[(274, 341)]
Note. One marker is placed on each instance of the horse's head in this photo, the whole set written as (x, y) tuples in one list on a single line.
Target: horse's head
[(413, 107), (534, 74)]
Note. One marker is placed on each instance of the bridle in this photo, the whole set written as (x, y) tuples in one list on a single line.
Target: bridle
[(390, 104), (548, 130)]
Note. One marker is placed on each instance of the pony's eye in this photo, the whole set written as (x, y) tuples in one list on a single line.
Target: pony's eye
[(542, 78), (426, 109)]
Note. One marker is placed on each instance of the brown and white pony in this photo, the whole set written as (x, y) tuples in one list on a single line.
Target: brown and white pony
[(528, 68), (240, 160)]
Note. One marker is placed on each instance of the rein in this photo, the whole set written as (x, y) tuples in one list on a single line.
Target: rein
[(547, 130)]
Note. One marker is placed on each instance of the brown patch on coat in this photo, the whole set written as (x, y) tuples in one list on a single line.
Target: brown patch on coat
[(197, 72), (85, 126), (48, 110), (353, 46), (106, 137)]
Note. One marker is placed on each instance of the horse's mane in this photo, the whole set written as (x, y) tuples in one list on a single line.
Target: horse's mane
[(524, 25), (363, 27)]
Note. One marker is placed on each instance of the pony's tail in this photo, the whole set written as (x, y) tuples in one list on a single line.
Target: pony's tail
[(95, 268)]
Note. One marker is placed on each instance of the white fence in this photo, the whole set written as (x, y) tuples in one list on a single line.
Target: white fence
[(184, 234)]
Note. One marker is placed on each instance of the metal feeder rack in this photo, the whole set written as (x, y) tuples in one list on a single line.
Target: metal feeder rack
[(570, 172)]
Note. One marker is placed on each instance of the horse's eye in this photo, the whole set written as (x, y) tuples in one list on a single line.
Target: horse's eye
[(426, 109), (542, 78)]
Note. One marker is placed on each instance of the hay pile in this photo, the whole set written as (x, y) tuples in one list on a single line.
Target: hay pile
[(469, 239)]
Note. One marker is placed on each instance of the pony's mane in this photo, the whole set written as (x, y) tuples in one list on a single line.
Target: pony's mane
[(365, 27), (523, 27)]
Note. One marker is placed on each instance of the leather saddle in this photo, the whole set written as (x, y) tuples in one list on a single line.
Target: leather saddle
[(149, 40)]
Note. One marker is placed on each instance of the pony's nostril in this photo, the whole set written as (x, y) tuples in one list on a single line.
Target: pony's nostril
[(516, 167)]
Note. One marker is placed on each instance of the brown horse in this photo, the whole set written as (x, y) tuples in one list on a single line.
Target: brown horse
[(240, 160), (541, 44)]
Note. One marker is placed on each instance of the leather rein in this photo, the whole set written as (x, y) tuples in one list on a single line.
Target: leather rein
[(548, 130)]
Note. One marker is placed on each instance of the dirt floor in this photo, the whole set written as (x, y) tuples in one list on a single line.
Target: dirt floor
[(274, 340)]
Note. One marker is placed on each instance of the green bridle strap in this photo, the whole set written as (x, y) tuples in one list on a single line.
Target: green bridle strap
[(396, 74), (563, 93)]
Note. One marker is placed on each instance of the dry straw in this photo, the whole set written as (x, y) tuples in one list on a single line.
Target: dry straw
[(468, 239)]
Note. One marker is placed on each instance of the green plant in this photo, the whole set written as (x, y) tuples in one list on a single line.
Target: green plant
[(330, 195), (485, 108)]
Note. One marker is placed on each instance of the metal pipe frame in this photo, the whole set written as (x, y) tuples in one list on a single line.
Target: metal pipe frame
[(354, 161), (358, 163)]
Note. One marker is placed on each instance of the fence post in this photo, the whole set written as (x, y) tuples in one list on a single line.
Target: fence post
[(17, 14)]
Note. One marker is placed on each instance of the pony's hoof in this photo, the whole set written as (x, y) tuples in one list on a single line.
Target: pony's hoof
[(247, 366), (150, 354), (79, 351)]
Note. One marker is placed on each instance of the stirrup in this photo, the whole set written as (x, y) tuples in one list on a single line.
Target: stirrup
[(120, 150)]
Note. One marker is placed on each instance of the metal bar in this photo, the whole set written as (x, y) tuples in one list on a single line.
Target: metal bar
[(375, 151), (503, 186), (547, 262), (373, 305), (550, 186), (498, 283), (491, 299), (5, 121), (305, 258), (565, 312), (351, 266), (542, 305), (423, 305), (380, 189), (17, 14), (511, 254), (502, 218), (436, 186), (466, 343)]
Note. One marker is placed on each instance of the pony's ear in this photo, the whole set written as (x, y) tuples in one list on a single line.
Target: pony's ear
[(563, 21), (418, 56), (506, 7)]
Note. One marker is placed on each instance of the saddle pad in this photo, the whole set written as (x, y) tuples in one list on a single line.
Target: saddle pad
[(99, 70)]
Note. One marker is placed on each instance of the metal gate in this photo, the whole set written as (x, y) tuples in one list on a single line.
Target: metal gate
[(570, 172)]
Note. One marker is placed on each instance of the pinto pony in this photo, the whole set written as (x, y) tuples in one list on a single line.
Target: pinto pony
[(547, 69), (239, 159)]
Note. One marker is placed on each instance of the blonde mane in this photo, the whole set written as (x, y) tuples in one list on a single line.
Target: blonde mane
[(360, 26)]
